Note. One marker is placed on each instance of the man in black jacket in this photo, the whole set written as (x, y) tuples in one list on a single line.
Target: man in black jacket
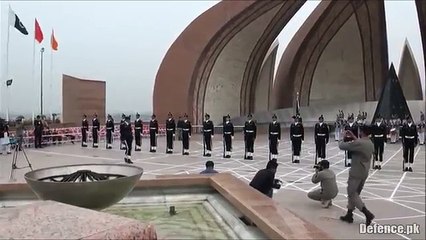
[(274, 137), (297, 136), (264, 180)]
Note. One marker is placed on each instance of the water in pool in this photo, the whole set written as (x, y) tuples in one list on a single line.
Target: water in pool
[(192, 220)]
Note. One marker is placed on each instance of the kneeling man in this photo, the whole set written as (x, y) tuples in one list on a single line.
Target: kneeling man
[(327, 179)]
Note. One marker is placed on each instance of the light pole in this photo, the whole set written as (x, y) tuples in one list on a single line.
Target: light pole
[(41, 80)]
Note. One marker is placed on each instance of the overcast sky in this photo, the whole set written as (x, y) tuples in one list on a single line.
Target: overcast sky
[(123, 43)]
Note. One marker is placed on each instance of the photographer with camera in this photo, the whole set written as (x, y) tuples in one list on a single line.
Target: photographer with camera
[(264, 180), (327, 179), (362, 149)]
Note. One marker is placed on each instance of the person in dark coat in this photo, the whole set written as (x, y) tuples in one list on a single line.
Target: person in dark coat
[(264, 180), (84, 130), (409, 141), (109, 131), (321, 135), (186, 134), (250, 131), (128, 138), (228, 135), (274, 137), (297, 136), (153, 133), (95, 130), (170, 132), (379, 134)]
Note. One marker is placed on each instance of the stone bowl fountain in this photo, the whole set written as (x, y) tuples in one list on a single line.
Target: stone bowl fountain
[(93, 186)]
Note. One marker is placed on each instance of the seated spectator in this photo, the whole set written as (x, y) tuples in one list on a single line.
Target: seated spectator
[(209, 168)]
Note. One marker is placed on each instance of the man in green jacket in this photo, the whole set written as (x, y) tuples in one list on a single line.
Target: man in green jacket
[(362, 150)]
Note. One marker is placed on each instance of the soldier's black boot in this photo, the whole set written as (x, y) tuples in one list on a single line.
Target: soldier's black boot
[(348, 217), (368, 216)]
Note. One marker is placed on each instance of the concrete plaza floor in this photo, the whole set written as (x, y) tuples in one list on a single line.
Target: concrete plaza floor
[(395, 197)]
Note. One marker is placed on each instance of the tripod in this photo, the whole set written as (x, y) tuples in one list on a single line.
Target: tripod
[(17, 145)]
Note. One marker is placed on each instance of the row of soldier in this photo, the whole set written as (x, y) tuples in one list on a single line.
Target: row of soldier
[(321, 136)]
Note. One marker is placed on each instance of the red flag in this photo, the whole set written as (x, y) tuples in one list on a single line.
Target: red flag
[(53, 41), (38, 33)]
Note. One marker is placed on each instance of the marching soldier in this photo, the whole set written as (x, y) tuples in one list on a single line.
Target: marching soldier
[(250, 130), (153, 132), (228, 135), (109, 130), (208, 134), (409, 141), (353, 127), (274, 137), (321, 138), (123, 119), (84, 130), (297, 136), (38, 132), (379, 139), (138, 132), (128, 138), (95, 130), (170, 132), (186, 134)]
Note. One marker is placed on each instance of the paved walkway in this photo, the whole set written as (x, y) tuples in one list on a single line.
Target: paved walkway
[(393, 196)]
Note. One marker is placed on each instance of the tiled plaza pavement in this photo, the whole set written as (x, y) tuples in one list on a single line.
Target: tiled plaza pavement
[(393, 196)]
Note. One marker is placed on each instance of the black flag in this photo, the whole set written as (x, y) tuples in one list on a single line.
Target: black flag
[(9, 82), (14, 21)]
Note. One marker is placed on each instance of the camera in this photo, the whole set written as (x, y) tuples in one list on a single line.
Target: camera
[(277, 184), (319, 167)]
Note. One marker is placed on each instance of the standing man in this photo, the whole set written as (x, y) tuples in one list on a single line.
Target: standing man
[(138, 132), (297, 136), (122, 144), (186, 134), (4, 137), (38, 132), (353, 127), (84, 130), (170, 133), (409, 142), (208, 135), (274, 137), (321, 138), (337, 127), (228, 135), (95, 130), (250, 130), (362, 149), (109, 131), (153, 132), (128, 139), (379, 139)]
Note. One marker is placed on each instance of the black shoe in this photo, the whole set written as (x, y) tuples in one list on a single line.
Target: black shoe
[(368, 216), (348, 165), (208, 155), (168, 152), (273, 159), (297, 161), (95, 146), (348, 217), (405, 169), (151, 150), (379, 167), (250, 158), (137, 150), (410, 169), (228, 156)]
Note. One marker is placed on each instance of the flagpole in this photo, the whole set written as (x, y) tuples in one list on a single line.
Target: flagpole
[(33, 76), (7, 71), (50, 84)]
